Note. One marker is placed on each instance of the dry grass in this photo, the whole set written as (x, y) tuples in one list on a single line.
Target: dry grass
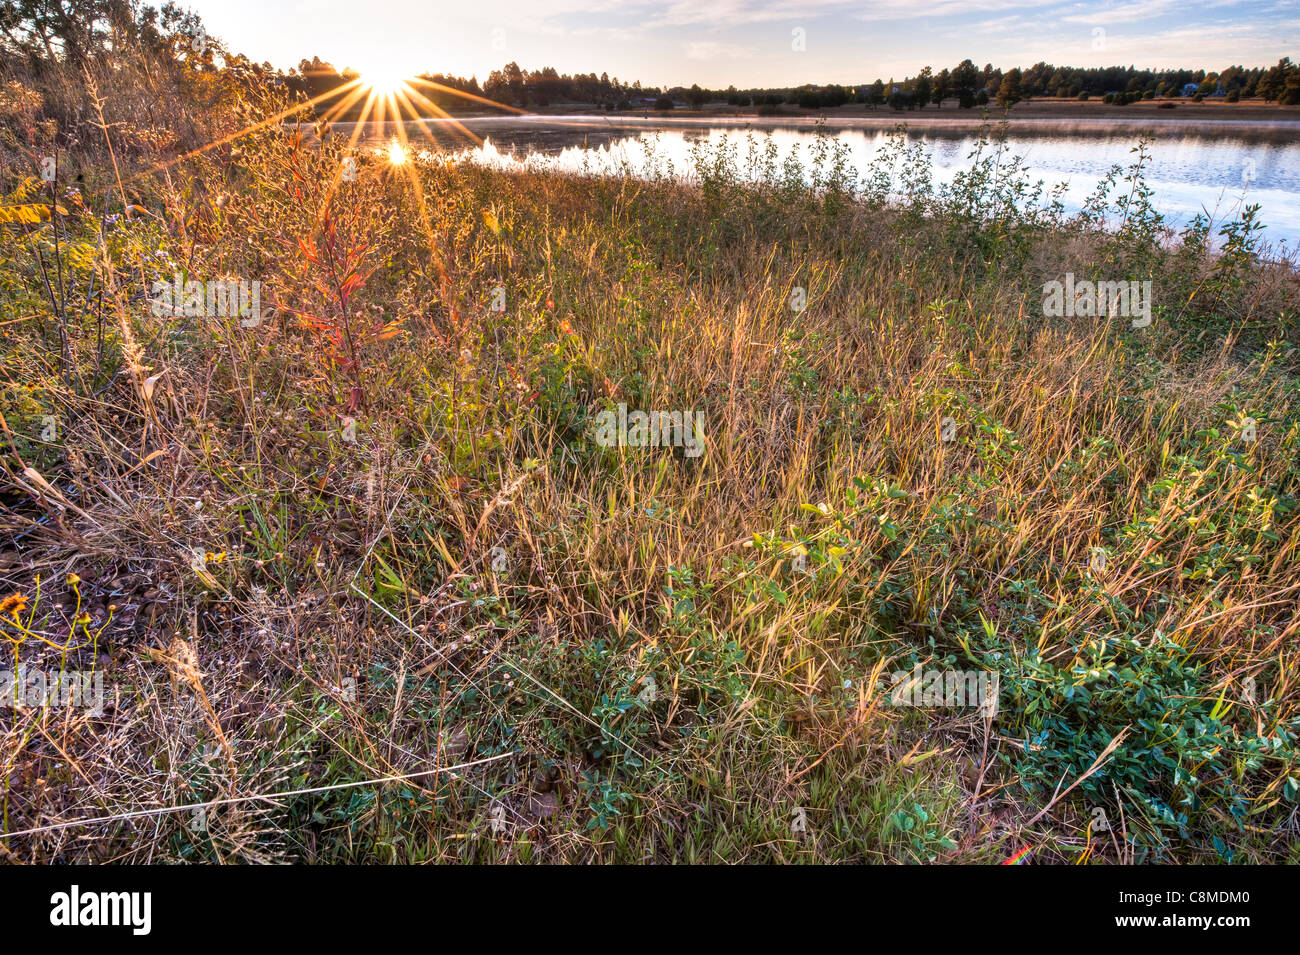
[(350, 617)]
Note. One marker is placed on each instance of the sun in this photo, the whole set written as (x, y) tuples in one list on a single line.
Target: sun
[(384, 74), (385, 80)]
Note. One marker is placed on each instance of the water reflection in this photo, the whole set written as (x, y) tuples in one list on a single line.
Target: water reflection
[(1210, 168)]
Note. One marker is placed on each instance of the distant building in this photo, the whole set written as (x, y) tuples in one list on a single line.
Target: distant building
[(1190, 88)]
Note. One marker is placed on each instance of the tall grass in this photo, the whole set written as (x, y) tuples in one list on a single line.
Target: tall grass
[(412, 554)]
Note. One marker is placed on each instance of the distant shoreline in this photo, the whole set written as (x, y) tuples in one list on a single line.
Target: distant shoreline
[(1089, 117), (1052, 109)]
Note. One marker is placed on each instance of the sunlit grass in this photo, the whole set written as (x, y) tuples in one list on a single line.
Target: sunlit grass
[(416, 555)]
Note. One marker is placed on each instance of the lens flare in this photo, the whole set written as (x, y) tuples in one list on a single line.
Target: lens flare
[(385, 81)]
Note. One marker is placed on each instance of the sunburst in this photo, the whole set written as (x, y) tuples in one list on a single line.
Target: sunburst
[(387, 94), (385, 81)]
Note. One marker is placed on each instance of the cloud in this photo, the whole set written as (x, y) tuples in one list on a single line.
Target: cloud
[(710, 50), (1212, 45), (908, 10), (741, 12), (1128, 12), (1000, 25)]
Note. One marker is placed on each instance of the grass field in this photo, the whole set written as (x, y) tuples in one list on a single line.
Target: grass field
[(368, 531)]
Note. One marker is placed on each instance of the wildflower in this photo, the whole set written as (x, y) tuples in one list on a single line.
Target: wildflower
[(566, 327), (13, 605)]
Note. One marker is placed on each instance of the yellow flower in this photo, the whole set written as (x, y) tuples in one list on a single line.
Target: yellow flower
[(13, 605)]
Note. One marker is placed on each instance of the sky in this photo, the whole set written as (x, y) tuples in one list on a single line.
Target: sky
[(753, 43)]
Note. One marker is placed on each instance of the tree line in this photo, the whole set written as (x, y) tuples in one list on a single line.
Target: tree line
[(968, 86), (965, 86)]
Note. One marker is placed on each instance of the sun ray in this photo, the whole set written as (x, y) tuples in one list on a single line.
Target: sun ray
[(469, 96), (603, 123), (243, 132), (360, 123), (345, 104), (456, 124), (411, 170), (352, 143), (381, 113)]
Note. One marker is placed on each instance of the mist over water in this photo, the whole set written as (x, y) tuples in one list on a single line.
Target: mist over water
[(1216, 169)]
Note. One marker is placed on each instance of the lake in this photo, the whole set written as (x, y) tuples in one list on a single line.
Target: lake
[(1211, 167)]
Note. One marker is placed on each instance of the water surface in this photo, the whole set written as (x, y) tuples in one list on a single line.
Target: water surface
[(1215, 168)]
